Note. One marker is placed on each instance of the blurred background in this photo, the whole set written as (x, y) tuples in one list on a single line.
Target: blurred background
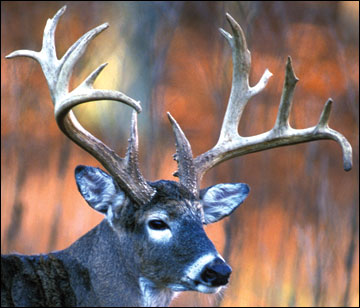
[(295, 241)]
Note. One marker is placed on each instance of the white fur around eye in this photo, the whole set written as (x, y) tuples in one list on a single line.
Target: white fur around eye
[(163, 235), (159, 235)]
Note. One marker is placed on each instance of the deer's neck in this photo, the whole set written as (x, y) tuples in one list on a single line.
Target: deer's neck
[(102, 270)]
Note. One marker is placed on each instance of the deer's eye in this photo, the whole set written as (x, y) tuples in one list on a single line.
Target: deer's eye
[(157, 224)]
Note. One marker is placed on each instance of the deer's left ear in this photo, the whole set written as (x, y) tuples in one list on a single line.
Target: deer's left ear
[(221, 200)]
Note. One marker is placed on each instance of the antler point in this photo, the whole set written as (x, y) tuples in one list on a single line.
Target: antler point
[(290, 70), (230, 18), (171, 118), (59, 13), (226, 34), (347, 166), (232, 21)]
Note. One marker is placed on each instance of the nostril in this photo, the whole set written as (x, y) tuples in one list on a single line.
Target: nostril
[(216, 273), (209, 275)]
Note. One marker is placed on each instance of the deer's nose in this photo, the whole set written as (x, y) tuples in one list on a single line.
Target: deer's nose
[(216, 273)]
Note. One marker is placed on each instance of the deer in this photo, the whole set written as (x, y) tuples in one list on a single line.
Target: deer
[(151, 243)]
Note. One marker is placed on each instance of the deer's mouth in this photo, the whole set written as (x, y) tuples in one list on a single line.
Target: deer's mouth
[(200, 286), (189, 284)]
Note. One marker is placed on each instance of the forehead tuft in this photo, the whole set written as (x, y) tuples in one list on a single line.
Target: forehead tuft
[(174, 198), (171, 191)]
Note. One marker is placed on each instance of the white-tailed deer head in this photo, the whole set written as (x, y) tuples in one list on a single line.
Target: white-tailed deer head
[(152, 242)]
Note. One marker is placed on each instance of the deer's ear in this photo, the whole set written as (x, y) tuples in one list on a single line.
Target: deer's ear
[(221, 200), (98, 188)]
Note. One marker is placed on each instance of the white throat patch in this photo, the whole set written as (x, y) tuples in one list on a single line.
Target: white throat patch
[(152, 296)]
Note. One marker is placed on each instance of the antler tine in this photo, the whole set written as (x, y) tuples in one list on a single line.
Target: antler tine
[(58, 73), (241, 92), (230, 144), (184, 157), (282, 119)]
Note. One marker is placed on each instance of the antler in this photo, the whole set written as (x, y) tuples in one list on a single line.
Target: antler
[(57, 73), (230, 143)]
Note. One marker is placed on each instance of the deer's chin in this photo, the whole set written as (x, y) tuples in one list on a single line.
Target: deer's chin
[(207, 289), (194, 285)]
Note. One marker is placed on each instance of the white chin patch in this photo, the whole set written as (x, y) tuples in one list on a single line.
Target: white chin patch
[(190, 285), (206, 289)]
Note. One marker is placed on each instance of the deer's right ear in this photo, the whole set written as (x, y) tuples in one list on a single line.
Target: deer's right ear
[(98, 188)]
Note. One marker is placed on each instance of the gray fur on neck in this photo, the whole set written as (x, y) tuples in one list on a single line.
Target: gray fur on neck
[(111, 274)]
